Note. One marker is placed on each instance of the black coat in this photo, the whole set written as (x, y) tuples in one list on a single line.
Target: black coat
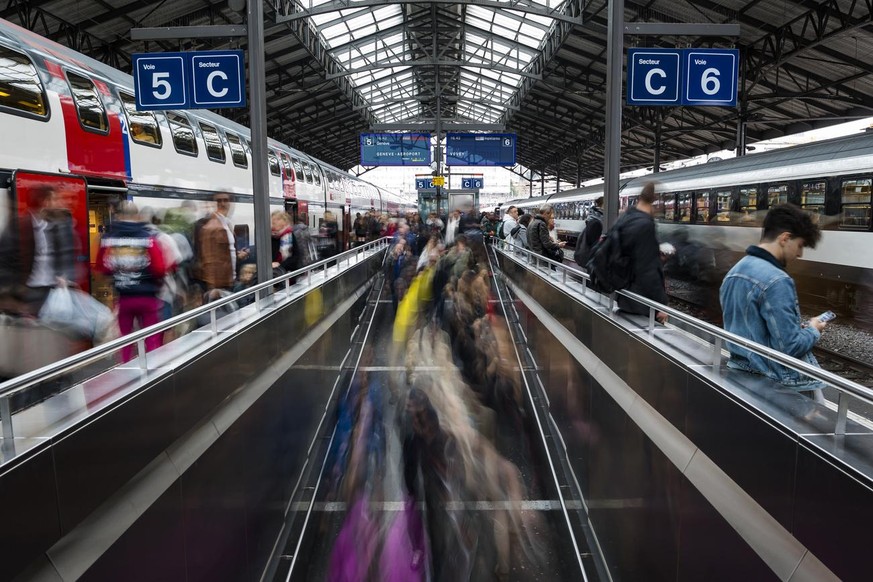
[(639, 242), (538, 238)]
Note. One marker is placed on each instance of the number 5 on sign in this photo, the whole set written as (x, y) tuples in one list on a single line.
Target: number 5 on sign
[(160, 81)]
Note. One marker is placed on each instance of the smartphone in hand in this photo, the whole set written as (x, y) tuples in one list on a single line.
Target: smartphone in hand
[(827, 316)]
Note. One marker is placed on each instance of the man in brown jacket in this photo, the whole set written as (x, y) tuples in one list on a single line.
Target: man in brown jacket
[(216, 248)]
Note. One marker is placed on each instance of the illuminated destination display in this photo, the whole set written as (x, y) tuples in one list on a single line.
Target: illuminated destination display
[(395, 149), (480, 149)]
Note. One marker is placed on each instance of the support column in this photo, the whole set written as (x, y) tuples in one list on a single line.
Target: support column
[(543, 182), (258, 120), (657, 167), (612, 162)]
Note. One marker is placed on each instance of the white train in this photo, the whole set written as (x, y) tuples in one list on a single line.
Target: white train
[(69, 120), (712, 212)]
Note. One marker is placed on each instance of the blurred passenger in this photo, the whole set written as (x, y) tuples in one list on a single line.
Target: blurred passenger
[(282, 243), (538, 238), (488, 225), (131, 254), (303, 251), (435, 224), (248, 277), (519, 234), (759, 300), (453, 227), (510, 223), (329, 231), (590, 235), (216, 247), (639, 242), (37, 253), (359, 226)]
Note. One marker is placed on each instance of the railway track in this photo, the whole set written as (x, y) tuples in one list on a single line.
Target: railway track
[(848, 368)]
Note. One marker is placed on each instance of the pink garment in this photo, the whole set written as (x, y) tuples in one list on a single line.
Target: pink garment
[(145, 309), (403, 554)]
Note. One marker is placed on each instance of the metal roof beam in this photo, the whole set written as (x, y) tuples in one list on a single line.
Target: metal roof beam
[(290, 10), (430, 125), (435, 63)]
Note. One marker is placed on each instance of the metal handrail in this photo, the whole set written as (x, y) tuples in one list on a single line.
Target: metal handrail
[(720, 335), (25, 381)]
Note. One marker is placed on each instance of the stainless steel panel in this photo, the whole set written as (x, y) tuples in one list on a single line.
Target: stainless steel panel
[(94, 461), (660, 382), (30, 513), (832, 515), (203, 383), (149, 550)]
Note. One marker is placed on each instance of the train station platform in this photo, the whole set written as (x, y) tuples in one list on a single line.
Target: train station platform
[(640, 454)]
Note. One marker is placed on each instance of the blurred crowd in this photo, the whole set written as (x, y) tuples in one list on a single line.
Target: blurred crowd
[(447, 413)]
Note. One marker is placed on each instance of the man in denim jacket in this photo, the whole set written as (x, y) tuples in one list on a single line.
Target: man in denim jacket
[(759, 300)]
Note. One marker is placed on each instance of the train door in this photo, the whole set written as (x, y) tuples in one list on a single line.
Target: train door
[(99, 219), (60, 199)]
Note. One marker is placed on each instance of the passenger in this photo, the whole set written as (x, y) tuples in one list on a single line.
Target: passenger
[(538, 238), (303, 251), (590, 235), (759, 300), (39, 252), (640, 243), (360, 227), (248, 277), (131, 254), (452, 227), (488, 225), (519, 236), (216, 250), (282, 243), (510, 223)]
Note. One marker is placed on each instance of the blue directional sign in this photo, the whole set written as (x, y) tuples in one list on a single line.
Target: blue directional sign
[(710, 77), (424, 183), (653, 76), (472, 182), (189, 80), (218, 79), (480, 149), (395, 149), (160, 81)]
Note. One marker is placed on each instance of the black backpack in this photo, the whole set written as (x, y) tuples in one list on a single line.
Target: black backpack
[(609, 268), (583, 250)]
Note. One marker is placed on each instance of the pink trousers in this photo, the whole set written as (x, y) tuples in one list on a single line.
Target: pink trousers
[(140, 308)]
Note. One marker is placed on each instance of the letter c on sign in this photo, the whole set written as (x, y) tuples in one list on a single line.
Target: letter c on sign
[(651, 90), (211, 79)]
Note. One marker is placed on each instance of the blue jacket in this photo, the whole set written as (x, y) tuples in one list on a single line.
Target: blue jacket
[(759, 302)]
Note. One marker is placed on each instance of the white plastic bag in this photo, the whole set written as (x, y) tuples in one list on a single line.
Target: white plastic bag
[(76, 311)]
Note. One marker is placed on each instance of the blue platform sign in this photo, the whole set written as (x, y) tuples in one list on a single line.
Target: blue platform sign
[(218, 79), (160, 81), (682, 77), (654, 76), (710, 77), (424, 183), (472, 182), (189, 80), (395, 149), (480, 149)]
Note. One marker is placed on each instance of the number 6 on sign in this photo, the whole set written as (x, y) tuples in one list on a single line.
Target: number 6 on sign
[(709, 81)]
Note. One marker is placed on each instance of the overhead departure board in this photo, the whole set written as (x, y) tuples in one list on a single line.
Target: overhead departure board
[(480, 149), (395, 149)]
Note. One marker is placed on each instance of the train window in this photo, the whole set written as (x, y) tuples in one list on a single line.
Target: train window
[(316, 174), (237, 151), (684, 208), (274, 163), (723, 200), (855, 204), (669, 205), (702, 200), (298, 169), (183, 134), (20, 87), (286, 165), (812, 197), (214, 145), (92, 113), (307, 171), (777, 195), (142, 125), (748, 201)]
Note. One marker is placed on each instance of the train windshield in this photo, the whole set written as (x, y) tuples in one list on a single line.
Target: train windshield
[(20, 87)]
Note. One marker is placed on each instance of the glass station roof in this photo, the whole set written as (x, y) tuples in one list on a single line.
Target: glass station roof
[(397, 54)]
